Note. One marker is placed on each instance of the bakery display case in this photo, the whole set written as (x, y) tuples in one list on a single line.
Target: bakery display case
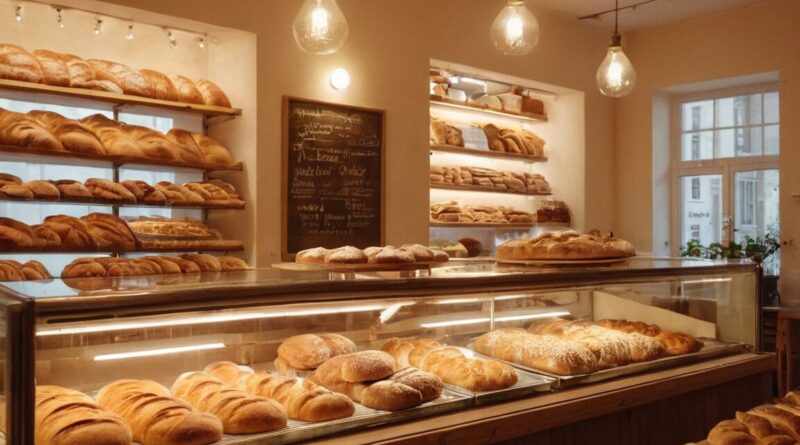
[(83, 334)]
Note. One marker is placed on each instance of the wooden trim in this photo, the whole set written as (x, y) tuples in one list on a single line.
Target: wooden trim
[(533, 117), (475, 188), (501, 422), (119, 100), (192, 248), (487, 153)]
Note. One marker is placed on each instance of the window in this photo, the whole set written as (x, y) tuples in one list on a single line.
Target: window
[(725, 166)]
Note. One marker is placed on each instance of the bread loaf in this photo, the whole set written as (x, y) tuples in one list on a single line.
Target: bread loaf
[(390, 396), (309, 351), (239, 412), (730, 432), (17, 191), (428, 385), (177, 194), (106, 190), (155, 417), (43, 190), (780, 417), (314, 255), (302, 399), (543, 352), (116, 141), (145, 193), (189, 150), (73, 190), (206, 263), (187, 90), (80, 72), (153, 144), (19, 130), (214, 153), (67, 417), (83, 268), (230, 263), (346, 255), (163, 88), (18, 64), (565, 245), (15, 234), (110, 232), (167, 264), (11, 270), (74, 233), (34, 270), (213, 94), (131, 81), (54, 70)]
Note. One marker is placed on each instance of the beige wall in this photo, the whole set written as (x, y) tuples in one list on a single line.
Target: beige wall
[(387, 54), (756, 39)]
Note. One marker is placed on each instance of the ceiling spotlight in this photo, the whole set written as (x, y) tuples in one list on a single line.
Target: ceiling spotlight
[(201, 42), (98, 27), (130, 35), (18, 14), (173, 42), (59, 18)]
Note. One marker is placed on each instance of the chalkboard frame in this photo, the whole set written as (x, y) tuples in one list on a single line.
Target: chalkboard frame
[(285, 255)]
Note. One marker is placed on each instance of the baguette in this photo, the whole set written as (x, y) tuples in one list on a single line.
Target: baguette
[(155, 417), (543, 352), (302, 399), (239, 412), (67, 417)]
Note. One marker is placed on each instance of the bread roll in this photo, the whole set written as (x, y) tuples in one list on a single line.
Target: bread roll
[(428, 385), (346, 255), (116, 141), (189, 150), (83, 268), (781, 417), (239, 412), (131, 81), (19, 130), (43, 190), (18, 64), (155, 417), (67, 417), (187, 90), (544, 352), (54, 70), (230, 263), (213, 94), (420, 252), (302, 399), (677, 343), (15, 234), (163, 88), (106, 190), (309, 351), (73, 135), (153, 144), (314, 255)]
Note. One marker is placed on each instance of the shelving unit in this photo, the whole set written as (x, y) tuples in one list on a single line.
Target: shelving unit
[(475, 188), (531, 117), (100, 202), (487, 153), (498, 225), (210, 248)]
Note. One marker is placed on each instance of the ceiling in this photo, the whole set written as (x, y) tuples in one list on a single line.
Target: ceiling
[(652, 14)]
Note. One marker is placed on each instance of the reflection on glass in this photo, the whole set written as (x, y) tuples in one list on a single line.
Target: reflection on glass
[(756, 203), (701, 209)]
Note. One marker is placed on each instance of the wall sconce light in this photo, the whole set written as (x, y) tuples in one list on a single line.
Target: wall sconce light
[(340, 79)]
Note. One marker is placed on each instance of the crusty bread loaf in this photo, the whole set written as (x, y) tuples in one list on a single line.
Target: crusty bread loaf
[(116, 141), (34, 270), (73, 135), (231, 263), (214, 152), (240, 413), (346, 255), (73, 232), (18, 64), (155, 417), (730, 432), (390, 396), (781, 417), (677, 343), (565, 245), (163, 88), (650, 330), (206, 263), (315, 255), (187, 90), (177, 194), (429, 385), (43, 189), (189, 150), (73, 190), (543, 352), (308, 351), (168, 264), (302, 399), (54, 70), (131, 81), (15, 234), (110, 231), (758, 427), (22, 131), (83, 268), (106, 190), (152, 143), (144, 192), (17, 191), (213, 94), (80, 72), (11, 270), (67, 417)]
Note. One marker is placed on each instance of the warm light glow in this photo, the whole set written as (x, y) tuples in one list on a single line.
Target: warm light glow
[(457, 301), (18, 14), (616, 76), (468, 353), (442, 324), (340, 79), (391, 311), (98, 27), (515, 31), (320, 27), (532, 316), (130, 35), (155, 352)]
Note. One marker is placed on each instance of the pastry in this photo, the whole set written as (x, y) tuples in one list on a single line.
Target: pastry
[(163, 88), (420, 252), (67, 417), (314, 255), (155, 417), (18, 64), (131, 81), (388, 255), (564, 245), (308, 351), (106, 190), (302, 399), (213, 94), (239, 412)]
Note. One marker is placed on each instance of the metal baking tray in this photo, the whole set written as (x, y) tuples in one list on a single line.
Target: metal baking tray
[(711, 348), (528, 383)]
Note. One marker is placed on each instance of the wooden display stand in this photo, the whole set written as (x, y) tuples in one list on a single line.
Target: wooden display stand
[(667, 407)]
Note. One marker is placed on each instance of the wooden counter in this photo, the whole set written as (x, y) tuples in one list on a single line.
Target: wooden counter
[(670, 407)]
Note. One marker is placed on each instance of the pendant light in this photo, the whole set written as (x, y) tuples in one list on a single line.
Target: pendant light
[(616, 76), (320, 27), (515, 31)]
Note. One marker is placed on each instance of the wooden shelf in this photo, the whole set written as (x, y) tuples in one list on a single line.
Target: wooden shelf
[(117, 160), (487, 153), (475, 188), (119, 100), (50, 250), (486, 110), (100, 202), (495, 225)]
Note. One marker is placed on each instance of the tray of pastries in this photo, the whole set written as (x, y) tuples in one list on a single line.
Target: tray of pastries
[(776, 423), (566, 247), (487, 179), (165, 234), (451, 213), (69, 71), (99, 137), (377, 258), (585, 351), (206, 194)]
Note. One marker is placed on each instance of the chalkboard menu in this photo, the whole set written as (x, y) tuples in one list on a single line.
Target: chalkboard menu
[(332, 176)]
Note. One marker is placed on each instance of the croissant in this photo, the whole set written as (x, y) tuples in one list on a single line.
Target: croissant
[(302, 399)]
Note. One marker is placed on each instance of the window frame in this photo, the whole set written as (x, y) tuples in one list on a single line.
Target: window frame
[(726, 167)]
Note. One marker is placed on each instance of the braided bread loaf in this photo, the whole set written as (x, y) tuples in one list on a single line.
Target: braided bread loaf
[(302, 399), (239, 412), (451, 365), (155, 417), (565, 245), (67, 417), (676, 343), (544, 352)]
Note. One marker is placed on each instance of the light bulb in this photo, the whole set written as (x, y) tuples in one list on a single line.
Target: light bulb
[(98, 27), (173, 42), (616, 76), (18, 14), (59, 18), (320, 27), (201, 42), (515, 31), (340, 79), (130, 35)]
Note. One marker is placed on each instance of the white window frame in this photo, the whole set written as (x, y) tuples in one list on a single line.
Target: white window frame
[(726, 167)]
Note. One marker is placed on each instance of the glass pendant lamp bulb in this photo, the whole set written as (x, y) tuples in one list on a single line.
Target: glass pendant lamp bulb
[(18, 14), (616, 76), (98, 27), (130, 35), (59, 18), (320, 27), (173, 42), (515, 31)]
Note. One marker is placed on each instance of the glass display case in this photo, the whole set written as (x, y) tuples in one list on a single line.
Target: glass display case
[(85, 333)]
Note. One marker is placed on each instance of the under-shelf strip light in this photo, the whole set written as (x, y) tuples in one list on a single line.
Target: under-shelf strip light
[(156, 352), (443, 324)]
